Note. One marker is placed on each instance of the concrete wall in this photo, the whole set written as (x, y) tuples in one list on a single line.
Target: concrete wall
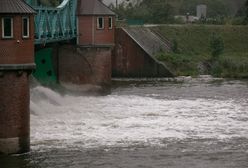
[(86, 68), (130, 60), (13, 52), (90, 35)]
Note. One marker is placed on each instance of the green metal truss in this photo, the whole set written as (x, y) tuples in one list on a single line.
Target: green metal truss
[(55, 24)]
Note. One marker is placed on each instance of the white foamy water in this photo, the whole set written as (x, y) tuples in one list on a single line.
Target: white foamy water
[(128, 119)]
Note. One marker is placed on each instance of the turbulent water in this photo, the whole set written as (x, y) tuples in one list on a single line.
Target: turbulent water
[(160, 123)]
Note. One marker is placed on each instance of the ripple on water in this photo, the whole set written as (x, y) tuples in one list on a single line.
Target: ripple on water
[(150, 123), (127, 118)]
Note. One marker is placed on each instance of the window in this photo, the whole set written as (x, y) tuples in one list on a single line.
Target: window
[(100, 23), (25, 27), (110, 22), (7, 27)]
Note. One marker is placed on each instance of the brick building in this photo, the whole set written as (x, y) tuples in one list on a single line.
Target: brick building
[(88, 65), (95, 23), (16, 64), (16, 30)]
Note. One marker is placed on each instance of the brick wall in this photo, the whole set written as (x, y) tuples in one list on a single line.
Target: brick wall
[(84, 66), (12, 52), (14, 108), (90, 35), (130, 60)]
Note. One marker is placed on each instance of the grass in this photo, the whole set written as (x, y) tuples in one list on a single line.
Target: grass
[(194, 48), (233, 65)]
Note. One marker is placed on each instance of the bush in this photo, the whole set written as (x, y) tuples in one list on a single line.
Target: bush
[(216, 45), (181, 64), (175, 46)]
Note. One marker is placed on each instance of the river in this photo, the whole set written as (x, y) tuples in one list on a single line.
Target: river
[(146, 123)]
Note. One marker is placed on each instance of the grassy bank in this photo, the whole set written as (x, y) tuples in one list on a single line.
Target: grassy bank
[(192, 51)]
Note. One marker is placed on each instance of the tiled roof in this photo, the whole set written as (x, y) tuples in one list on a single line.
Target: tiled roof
[(15, 6), (93, 7)]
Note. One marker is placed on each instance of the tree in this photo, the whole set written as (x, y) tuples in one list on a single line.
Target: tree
[(246, 12), (150, 11), (216, 45), (161, 13)]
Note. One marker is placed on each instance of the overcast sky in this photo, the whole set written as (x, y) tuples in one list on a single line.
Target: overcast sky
[(107, 2)]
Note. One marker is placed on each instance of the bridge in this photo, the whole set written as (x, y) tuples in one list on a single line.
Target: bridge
[(55, 24)]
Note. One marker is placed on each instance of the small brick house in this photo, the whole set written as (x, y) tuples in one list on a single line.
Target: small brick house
[(16, 32), (95, 23), (88, 65)]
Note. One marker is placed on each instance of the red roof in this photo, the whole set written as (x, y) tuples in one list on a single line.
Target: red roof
[(93, 7), (15, 6)]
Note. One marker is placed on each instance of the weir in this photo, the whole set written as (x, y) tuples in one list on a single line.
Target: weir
[(87, 62), (22, 28)]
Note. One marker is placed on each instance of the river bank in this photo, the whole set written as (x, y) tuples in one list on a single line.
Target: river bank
[(191, 51)]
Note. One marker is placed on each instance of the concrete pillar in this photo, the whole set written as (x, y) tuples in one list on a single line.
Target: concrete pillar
[(14, 108)]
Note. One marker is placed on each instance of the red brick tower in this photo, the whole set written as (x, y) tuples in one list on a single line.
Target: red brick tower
[(89, 63), (95, 24), (16, 63)]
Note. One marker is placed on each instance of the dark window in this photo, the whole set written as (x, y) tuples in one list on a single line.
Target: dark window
[(7, 27), (110, 22), (100, 23), (25, 27)]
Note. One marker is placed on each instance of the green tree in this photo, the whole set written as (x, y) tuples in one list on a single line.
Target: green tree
[(151, 11), (246, 12), (161, 13), (242, 13), (216, 45), (175, 46)]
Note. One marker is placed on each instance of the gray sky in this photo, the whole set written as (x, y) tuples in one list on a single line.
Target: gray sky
[(107, 2)]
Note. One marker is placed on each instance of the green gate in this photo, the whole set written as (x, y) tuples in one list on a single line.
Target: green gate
[(44, 72)]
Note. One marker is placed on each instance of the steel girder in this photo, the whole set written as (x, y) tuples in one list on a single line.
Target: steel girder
[(55, 24)]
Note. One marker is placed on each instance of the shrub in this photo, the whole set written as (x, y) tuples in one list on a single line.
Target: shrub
[(216, 45), (175, 46)]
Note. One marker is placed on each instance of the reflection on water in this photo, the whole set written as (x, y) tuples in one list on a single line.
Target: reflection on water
[(158, 123)]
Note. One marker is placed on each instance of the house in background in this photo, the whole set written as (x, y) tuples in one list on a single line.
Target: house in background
[(201, 11), (96, 24)]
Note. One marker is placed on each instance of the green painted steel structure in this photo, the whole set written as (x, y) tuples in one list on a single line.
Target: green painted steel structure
[(55, 24), (52, 25), (44, 72)]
